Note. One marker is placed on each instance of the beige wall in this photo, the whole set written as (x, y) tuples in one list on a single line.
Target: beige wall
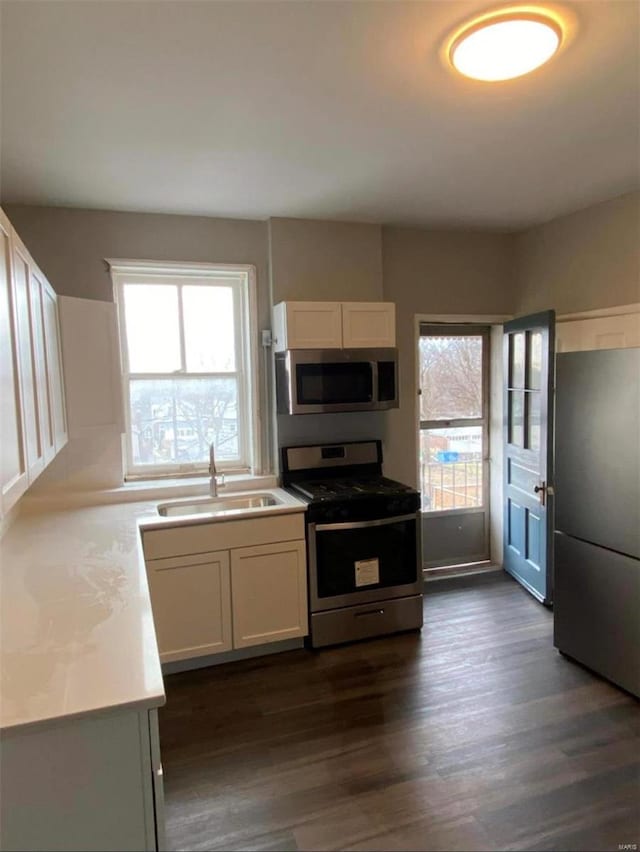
[(338, 261), (436, 272), (70, 244), (587, 260)]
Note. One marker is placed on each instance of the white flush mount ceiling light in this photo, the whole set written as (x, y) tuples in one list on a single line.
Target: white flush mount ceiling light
[(505, 45)]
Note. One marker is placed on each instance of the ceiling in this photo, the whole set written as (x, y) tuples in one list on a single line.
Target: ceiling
[(326, 110)]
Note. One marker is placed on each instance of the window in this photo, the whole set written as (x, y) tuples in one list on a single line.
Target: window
[(189, 372), (453, 417)]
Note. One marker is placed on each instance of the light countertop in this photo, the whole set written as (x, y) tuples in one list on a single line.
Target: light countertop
[(77, 633)]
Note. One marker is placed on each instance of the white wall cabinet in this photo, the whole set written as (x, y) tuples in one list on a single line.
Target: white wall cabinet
[(307, 325), (368, 325), (55, 374), (33, 405), (211, 594), (93, 783), (333, 325), (269, 585), (14, 477), (30, 341)]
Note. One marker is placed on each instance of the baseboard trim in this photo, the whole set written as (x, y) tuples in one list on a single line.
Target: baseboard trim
[(231, 656), (432, 575)]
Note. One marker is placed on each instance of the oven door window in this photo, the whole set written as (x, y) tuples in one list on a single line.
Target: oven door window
[(334, 384), (348, 560)]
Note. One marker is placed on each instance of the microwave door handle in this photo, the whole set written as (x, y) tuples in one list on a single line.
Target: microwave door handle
[(375, 390)]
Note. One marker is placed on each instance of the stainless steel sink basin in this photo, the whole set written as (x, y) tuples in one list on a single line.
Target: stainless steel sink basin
[(216, 505)]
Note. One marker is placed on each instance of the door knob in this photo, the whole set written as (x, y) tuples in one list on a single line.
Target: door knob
[(541, 491)]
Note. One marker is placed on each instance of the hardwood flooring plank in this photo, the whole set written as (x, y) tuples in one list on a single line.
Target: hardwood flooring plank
[(474, 734)]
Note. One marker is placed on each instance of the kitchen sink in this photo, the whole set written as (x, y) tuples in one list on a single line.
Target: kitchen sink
[(217, 505)]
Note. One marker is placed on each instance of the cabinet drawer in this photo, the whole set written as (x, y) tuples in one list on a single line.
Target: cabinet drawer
[(203, 538)]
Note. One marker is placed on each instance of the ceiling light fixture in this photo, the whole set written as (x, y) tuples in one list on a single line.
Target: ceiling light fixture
[(505, 44)]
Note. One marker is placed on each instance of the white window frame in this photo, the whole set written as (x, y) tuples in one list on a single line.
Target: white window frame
[(245, 313)]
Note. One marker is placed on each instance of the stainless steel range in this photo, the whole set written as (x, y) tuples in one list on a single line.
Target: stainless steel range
[(363, 542)]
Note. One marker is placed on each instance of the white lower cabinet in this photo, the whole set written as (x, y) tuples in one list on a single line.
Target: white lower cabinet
[(191, 598), (93, 783), (220, 595), (269, 599)]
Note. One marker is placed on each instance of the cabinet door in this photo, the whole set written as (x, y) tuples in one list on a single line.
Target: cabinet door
[(13, 471), (307, 325), (26, 327), (47, 426), (54, 365), (191, 601), (269, 593), (92, 370), (368, 325)]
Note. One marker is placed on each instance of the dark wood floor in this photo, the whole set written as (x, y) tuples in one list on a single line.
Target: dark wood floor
[(475, 734)]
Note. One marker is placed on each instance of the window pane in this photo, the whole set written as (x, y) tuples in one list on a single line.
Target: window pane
[(516, 360), (535, 359), (451, 468), (516, 418), (533, 420), (173, 421), (450, 377), (209, 329), (153, 336)]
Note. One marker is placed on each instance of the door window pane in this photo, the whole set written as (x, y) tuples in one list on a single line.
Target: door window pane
[(450, 377), (533, 420), (516, 418), (209, 329), (451, 468), (152, 323), (175, 420), (534, 370), (516, 360)]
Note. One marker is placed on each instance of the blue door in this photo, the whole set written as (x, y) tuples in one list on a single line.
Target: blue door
[(528, 452)]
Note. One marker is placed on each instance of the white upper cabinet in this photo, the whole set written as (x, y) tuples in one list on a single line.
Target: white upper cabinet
[(92, 371), (333, 325), (307, 325), (58, 411), (13, 469), (368, 325), (30, 343), (47, 430), (33, 407)]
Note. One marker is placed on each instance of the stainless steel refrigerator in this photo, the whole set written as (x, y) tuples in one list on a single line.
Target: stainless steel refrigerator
[(597, 512)]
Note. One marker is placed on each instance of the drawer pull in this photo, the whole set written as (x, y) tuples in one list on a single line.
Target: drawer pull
[(370, 612)]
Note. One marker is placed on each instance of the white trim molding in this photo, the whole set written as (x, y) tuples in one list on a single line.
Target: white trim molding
[(620, 310)]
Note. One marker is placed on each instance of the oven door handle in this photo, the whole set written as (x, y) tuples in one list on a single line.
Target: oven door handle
[(358, 525)]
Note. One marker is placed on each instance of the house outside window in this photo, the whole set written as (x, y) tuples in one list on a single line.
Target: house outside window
[(189, 369)]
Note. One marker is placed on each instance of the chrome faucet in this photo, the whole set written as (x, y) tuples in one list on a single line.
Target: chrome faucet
[(213, 482)]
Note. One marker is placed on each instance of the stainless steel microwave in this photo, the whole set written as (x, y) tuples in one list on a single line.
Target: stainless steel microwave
[(315, 381)]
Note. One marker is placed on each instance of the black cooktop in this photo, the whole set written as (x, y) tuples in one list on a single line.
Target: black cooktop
[(349, 488), (344, 482)]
